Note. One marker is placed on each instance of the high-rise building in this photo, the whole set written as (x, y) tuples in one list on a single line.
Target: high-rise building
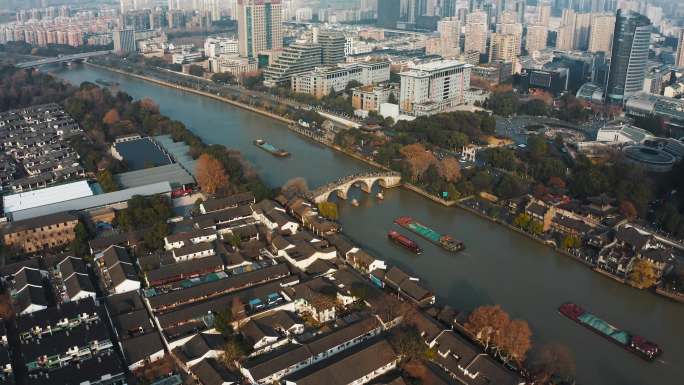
[(388, 13), (566, 31), (601, 34), (433, 87), (449, 30), (124, 41), (582, 26), (543, 13), (536, 38), (259, 27), (679, 60), (449, 8), (332, 47), (510, 26), (502, 47), (295, 59), (629, 56), (477, 27)]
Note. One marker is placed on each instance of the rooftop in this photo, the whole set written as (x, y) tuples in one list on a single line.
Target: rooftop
[(46, 196), (172, 173), (93, 201)]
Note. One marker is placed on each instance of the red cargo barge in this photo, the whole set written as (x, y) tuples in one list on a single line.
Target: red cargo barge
[(633, 343), (404, 241)]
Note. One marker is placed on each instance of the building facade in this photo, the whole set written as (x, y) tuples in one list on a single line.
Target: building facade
[(601, 35), (502, 47), (370, 98), (322, 80), (434, 87), (477, 28), (48, 232), (259, 27), (332, 47), (629, 56), (295, 59), (680, 49), (536, 38), (124, 41)]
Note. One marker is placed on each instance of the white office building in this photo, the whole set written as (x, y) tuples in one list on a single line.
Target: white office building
[(217, 46), (321, 80), (434, 87)]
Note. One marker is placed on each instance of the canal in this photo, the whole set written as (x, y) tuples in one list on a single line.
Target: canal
[(499, 266)]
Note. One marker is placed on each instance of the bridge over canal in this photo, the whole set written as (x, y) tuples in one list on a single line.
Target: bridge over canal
[(365, 180)]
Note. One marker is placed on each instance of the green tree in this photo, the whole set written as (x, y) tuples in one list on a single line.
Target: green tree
[(224, 78), (79, 245), (196, 70), (522, 221), (408, 343), (503, 103), (106, 181), (328, 210), (536, 145), (571, 242)]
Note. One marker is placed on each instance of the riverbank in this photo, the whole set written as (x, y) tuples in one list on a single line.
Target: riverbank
[(290, 124)]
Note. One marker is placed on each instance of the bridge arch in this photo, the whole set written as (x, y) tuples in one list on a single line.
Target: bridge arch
[(366, 181)]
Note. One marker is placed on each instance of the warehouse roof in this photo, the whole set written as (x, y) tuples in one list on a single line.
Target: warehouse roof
[(46, 196), (93, 201), (172, 173), (179, 151)]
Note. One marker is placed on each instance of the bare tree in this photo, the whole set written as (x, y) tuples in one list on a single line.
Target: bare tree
[(295, 187)]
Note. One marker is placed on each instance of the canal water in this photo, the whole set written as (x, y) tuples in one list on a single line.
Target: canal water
[(498, 267)]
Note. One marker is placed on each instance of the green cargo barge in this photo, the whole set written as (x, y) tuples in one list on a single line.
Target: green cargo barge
[(262, 144), (444, 241)]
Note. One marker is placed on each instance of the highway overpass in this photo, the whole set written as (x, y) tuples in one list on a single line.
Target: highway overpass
[(61, 59)]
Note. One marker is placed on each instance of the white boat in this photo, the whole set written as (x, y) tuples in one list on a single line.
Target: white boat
[(355, 203), (380, 196)]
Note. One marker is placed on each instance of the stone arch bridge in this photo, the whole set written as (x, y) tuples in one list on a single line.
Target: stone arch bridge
[(365, 180)]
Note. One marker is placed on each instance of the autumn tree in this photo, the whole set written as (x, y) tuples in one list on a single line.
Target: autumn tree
[(628, 210), (492, 326), (210, 174), (643, 275), (418, 158), (111, 117), (238, 311), (516, 340), (149, 105), (449, 169), (295, 187), (551, 362), (487, 323), (234, 351)]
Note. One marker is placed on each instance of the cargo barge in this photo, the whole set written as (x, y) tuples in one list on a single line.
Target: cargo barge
[(404, 241), (444, 241), (106, 83), (633, 343), (262, 144)]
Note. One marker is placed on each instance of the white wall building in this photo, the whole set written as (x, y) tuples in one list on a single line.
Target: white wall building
[(433, 87), (217, 46), (321, 80)]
